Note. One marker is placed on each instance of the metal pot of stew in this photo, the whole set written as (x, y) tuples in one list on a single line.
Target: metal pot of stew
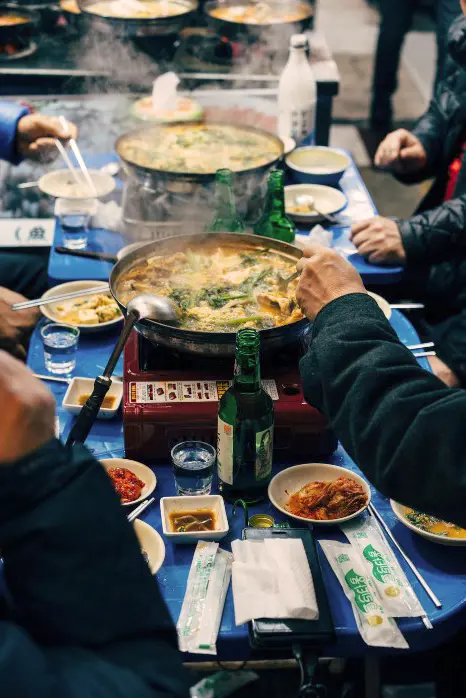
[(16, 25), (138, 18), (221, 282), (243, 18)]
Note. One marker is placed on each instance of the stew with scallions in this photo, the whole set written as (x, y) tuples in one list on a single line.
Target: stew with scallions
[(219, 288)]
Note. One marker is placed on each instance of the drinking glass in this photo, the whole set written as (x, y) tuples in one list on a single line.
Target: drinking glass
[(60, 347), (74, 216), (193, 467)]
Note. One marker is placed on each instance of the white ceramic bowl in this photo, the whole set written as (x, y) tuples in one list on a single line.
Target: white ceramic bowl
[(213, 502), (290, 480), (70, 286), (400, 510), (383, 304), (85, 386), (326, 200), (61, 184), (140, 470), (317, 165), (152, 544)]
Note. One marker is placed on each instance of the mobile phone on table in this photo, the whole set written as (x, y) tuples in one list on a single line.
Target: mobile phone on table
[(282, 634)]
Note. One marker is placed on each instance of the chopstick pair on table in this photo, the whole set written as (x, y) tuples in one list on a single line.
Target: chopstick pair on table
[(139, 509), (423, 345), (435, 600)]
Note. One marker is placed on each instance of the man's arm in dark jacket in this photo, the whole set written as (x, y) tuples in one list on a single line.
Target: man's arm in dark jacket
[(399, 423), (90, 621), (436, 235)]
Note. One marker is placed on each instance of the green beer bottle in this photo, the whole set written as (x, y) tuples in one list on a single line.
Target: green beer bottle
[(245, 427), (274, 223), (225, 218)]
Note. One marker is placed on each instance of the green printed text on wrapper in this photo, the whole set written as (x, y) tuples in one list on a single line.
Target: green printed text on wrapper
[(362, 596)]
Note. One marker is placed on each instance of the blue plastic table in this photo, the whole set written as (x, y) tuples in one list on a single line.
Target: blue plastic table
[(444, 568), (63, 268)]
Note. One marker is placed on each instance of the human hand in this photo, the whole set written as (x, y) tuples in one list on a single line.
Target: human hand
[(379, 239), (444, 372), (15, 326), (325, 276), (28, 415), (401, 152), (36, 133)]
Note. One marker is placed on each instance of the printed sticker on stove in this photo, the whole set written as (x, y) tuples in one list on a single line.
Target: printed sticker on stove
[(186, 391)]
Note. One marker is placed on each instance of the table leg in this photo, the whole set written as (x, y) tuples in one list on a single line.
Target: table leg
[(371, 678)]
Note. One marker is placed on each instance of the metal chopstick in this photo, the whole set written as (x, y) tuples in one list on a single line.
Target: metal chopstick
[(79, 158), (407, 306), (410, 564), (425, 345), (419, 355), (142, 507), (53, 378), (63, 297), (69, 164)]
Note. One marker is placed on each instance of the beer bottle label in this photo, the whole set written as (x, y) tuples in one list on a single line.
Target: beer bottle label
[(225, 434), (264, 453)]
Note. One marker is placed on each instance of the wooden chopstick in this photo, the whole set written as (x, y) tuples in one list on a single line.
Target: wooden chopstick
[(410, 564)]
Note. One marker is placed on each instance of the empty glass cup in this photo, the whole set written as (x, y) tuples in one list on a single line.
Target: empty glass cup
[(60, 347), (193, 466)]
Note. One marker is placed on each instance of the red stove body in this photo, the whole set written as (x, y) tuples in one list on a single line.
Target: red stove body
[(171, 397)]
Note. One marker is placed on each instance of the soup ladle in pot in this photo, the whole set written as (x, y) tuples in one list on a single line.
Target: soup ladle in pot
[(143, 307)]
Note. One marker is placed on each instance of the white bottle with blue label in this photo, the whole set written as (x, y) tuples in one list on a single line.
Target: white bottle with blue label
[(297, 94)]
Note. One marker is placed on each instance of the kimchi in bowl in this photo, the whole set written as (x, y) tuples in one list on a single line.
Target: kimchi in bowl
[(331, 491)]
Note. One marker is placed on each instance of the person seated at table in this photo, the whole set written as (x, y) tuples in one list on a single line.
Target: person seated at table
[(399, 423), (81, 615), (31, 136)]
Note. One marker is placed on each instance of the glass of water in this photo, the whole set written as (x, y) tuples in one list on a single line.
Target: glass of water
[(74, 216), (193, 466), (60, 347)]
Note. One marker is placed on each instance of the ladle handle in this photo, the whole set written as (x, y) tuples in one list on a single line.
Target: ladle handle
[(90, 410)]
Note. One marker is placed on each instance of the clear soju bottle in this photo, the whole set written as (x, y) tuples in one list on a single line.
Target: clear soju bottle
[(274, 223), (245, 427), (225, 218)]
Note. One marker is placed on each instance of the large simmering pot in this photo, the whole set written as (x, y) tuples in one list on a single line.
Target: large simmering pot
[(132, 27), (216, 344), (19, 24), (234, 28)]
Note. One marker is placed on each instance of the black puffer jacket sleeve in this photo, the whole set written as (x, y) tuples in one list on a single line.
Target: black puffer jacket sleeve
[(437, 235), (399, 423), (87, 619)]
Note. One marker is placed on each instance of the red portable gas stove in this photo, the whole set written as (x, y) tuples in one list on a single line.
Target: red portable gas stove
[(171, 397)]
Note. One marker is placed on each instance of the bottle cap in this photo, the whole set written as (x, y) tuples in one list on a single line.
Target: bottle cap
[(299, 41), (261, 521)]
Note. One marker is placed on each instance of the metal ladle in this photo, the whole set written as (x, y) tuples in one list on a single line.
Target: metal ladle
[(143, 307)]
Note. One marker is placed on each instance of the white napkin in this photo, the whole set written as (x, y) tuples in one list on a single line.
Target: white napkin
[(321, 235), (164, 97), (272, 579)]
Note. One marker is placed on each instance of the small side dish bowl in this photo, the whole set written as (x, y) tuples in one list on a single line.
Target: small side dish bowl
[(291, 480), (140, 470), (84, 386), (400, 512), (188, 504), (151, 544), (61, 184), (327, 200), (317, 165), (51, 311)]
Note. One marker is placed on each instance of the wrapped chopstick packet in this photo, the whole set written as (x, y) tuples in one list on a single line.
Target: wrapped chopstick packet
[(396, 594), (375, 627)]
